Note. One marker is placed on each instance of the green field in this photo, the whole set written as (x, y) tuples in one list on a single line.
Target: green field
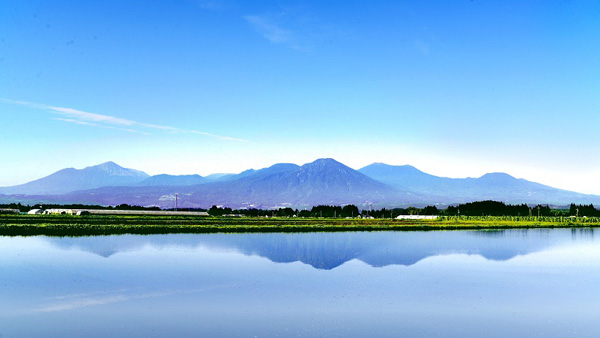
[(67, 225)]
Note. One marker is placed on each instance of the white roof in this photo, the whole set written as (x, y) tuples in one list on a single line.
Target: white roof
[(416, 217)]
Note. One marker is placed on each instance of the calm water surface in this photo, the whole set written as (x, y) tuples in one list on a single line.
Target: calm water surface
[(512, 283)]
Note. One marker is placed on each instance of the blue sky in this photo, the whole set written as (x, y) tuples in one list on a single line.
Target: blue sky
[(455, 88)]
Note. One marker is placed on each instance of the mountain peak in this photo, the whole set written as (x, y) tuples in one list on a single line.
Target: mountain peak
[(497, 176), (404, 177), (278, 168), (68, 180), (323, 181), (323, 162), (113, 169), (283, 166), (384, 166), (173, 180), (107, 165)]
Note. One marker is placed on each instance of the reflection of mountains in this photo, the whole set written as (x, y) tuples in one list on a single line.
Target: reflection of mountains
[(330, 250)]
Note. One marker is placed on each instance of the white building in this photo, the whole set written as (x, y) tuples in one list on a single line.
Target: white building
[(59, 212), (137, 212), (416, 217)]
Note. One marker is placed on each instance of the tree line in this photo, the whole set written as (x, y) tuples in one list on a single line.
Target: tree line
[(481, 208), (324, 211), (494, 208), (26, 207)]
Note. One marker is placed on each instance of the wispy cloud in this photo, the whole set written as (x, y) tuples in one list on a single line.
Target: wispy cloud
[(85, 116), (75, 301), (83, 303), (83, 294), (85, 123), (269, 30), (81, 123), (111, 122), (295, 27)]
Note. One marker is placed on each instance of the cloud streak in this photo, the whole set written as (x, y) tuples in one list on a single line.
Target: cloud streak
[(270, 31), (112, 122), (294, 28), (83, 303), (76, 301), (84, 123)]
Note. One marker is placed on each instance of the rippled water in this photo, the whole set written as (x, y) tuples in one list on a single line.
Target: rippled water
[(511, 283)]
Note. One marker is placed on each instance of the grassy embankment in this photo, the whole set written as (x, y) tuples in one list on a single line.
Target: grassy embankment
[(67, 225)]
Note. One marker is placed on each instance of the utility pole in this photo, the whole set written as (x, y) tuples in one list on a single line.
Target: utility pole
[(176, 196)]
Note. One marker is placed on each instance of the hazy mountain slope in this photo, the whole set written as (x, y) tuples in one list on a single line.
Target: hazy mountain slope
[(67, 180), (407, 177), (503, 187), (218, 177), (323, 181), (173, 180), (279, 167), (492, 186)]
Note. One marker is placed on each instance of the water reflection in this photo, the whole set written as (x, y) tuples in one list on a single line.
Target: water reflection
[(330, 250), (582, 234), (511, 283)]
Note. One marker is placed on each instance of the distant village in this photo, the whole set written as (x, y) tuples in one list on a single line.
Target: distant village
[(84, 212)]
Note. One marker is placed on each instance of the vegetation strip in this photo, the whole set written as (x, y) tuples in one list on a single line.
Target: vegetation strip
[(67, 225)]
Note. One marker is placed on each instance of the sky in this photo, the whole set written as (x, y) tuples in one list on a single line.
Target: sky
[(454, 88)]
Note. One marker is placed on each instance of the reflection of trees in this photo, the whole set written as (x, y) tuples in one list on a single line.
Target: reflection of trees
[(586, 233), (330, 250)]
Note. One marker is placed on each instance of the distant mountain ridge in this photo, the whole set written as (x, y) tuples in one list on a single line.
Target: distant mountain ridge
[(492, 186), (324, 181), (70, 179), (330, 250), (172, 180)]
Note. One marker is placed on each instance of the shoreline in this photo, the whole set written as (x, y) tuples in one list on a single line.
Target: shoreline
[(68, 225)]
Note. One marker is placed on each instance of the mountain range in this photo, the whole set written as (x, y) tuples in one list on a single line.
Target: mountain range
[(70, 179), (330, 250), (324, 181)]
